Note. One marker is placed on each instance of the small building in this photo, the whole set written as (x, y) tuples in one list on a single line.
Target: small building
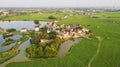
[(58, 31), (55, 21), (5, 13), (85, 30), (37, 29), (44, 40), (75, 35), (49, 30), (62, 26), (66, 35), (23, 30), (65, 17)]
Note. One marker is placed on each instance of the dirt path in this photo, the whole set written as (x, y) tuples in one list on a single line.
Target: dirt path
[(97, 52), (65, 47), (21, 57)]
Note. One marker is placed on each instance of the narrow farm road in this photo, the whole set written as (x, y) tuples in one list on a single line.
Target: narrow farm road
[(21, 57), (97, 52)]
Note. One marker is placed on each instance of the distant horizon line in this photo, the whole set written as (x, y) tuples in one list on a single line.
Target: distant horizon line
[(67, 7)]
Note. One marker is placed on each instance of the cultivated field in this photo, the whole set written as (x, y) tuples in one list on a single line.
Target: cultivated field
[(102, 50)]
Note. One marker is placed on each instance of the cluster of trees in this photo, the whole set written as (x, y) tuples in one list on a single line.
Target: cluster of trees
[(36, 21), (51, 17), (11, 30), (36, 36), (44, 49)]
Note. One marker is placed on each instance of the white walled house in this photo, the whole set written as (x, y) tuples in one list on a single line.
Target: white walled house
[(45, 40), (55, 21), (37, 29), (85, 30), (66, 35), (23, 30)]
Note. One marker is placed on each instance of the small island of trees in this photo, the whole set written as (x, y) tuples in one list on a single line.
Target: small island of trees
[(44, 45)]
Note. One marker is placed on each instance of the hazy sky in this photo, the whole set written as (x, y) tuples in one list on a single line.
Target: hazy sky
[(59, 3)]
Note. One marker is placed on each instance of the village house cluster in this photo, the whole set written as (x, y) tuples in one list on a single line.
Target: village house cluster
[(63, 31), (67, 31)]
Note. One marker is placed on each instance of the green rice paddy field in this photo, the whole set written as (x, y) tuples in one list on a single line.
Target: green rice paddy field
[(102, 50)]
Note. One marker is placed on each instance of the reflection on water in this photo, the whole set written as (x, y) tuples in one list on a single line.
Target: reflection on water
[(15, 37), (18, 25), (5, 48), (1, 39)]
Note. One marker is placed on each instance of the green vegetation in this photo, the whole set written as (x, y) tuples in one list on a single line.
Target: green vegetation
[(4, 56), (51, 17), (106, 26), (36, 21), (11, 30), (8, 42), (48, 48), (43, 16)]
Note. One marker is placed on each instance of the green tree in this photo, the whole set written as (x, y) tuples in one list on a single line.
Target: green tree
[(35, 38), (11, 30), (52, 35), (51, 17), (41, 52), (36, 21), (50, 52), (31, 51), (45, 36)]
